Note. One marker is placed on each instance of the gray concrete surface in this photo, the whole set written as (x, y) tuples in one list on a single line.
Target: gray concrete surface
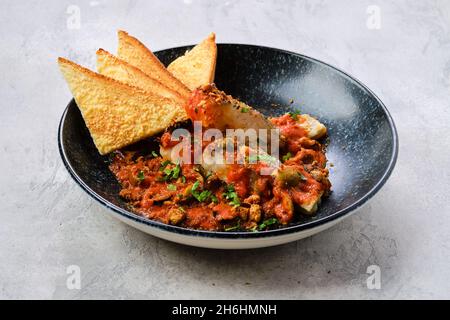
[(48, 223)]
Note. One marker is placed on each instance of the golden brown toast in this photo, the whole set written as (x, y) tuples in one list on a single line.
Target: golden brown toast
[(197, 66), (113, 67), (115, 113), (135, 53)]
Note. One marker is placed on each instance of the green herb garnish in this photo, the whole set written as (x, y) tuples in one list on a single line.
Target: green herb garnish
[(195, 186), (267, 223), (214, 198), (176, 171), (245, 109), (183, 179), (172, 187), (172, 173), (204, 195), (236, 227), (140, 176), (294, 114), (155, 154), (230, 194), (287, 156), (201, 196), (164, 165)]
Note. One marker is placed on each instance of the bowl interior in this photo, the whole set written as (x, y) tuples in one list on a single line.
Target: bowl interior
[(363, 141)]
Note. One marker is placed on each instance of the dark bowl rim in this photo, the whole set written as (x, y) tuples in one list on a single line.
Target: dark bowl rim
[(242, 234)]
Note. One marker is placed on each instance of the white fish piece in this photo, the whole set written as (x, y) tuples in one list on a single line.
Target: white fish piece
[(220, 156), (314, 127), (215, 109)]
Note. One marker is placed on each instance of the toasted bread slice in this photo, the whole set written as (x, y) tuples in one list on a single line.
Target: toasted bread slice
[(115, 113), (197, 66), (113, 67), (135, 53)]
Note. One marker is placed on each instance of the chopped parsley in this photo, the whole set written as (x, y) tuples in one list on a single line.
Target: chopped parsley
[(245, 109), (233, 228), (195, 186), (267, 223), (154, 154), (172, 187), (287, 156), (164, 165), (183, 179), (140, 176), (172, 173), (201, 196), (230, 194), (294, 114), (214, 198)]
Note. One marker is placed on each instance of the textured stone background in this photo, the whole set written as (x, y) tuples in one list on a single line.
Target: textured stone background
[(48, 222)]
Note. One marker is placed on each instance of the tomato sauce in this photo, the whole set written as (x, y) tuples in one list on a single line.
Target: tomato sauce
[(239, 176), (291, 130), (187, 196), (202, 106)]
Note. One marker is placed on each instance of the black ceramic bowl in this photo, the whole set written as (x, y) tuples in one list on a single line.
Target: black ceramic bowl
[(363, 140)]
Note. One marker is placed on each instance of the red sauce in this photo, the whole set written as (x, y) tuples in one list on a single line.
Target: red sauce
[(239, 176), (224, 211), (291, 130), (201, 218), (184, 196), (167, 142), (203, 107)]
